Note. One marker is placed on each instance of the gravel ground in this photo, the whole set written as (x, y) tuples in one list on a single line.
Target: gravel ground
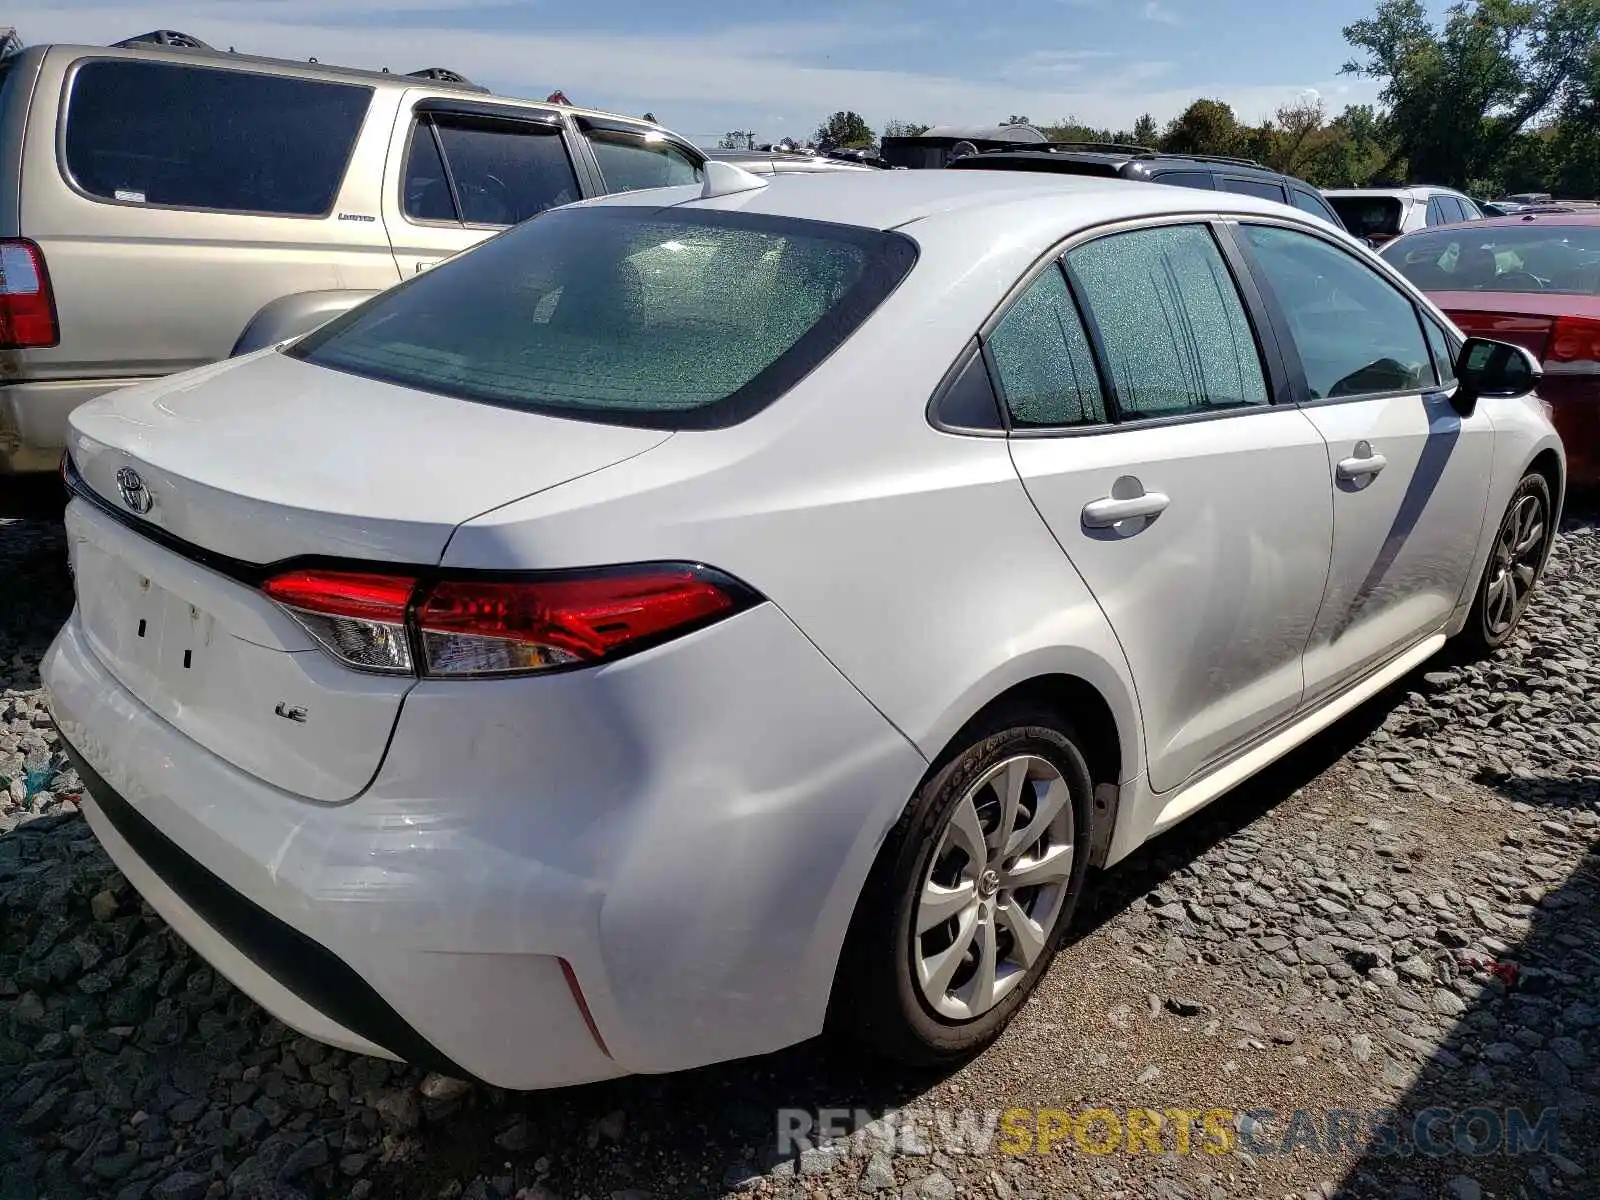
[(1401, 917)]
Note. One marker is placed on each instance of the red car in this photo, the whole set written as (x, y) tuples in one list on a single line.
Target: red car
[(1532, 279)]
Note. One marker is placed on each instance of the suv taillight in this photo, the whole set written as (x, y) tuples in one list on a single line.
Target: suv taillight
[(469, 626), (27, 309)]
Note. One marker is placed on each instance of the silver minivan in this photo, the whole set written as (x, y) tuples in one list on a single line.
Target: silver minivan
[(162, 207)]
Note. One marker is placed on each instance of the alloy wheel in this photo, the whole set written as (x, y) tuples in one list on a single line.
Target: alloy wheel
[(994, 887), (1518, 552)]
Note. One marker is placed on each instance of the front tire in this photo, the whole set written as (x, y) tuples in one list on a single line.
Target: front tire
[(970, 895), (1521, 545)]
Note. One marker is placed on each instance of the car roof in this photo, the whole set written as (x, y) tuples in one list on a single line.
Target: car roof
[(317, 70), (1580, 217), (1394, 193), (893, 199), (1118, 159)]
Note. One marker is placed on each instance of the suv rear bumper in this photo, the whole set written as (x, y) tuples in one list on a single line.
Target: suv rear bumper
[(33, 419)]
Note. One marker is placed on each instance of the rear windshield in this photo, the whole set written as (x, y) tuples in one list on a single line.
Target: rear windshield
[(671, 318), (178, 136), (1520, 258), (1364, 216)]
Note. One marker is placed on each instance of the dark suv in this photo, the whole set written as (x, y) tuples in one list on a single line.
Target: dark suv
[(1114, 161)]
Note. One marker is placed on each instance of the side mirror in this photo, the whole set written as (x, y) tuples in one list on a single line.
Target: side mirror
[(1495, 369)]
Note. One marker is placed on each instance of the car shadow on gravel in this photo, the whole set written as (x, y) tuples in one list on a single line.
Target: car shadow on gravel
[(1507, 1105)]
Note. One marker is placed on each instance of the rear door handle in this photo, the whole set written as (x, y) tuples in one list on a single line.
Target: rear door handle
[(1103, 514), (1363, 467)]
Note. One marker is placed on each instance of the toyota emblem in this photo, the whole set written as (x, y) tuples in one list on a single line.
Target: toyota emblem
[(134, 493)]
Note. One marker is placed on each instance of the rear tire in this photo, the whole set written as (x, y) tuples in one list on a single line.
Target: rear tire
[(1516, 560), (945, 948)]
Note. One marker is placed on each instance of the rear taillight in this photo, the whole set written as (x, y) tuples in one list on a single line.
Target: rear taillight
[(27, 309), (468, 626), (1574, 346)]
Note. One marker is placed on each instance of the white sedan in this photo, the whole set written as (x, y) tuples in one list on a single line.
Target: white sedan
[(701, 617)]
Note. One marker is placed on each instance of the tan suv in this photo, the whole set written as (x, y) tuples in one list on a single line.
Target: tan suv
[(164, 207)]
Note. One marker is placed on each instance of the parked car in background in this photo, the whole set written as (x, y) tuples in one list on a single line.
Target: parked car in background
[(170, 204), (1379, 214), (939, 146), (778, 162), (1110, 161), (1532, 279), (471, 681)]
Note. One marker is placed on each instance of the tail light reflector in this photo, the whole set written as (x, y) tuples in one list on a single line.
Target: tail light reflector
[(359, 619), (1574, 341), (27, 309), (467, 626)]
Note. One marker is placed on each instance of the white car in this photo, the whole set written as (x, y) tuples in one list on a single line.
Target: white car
[(1379, 215), (701, 616)]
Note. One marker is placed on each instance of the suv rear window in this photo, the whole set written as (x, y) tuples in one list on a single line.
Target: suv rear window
[(1364, 216), (679, 319), (179, 136)]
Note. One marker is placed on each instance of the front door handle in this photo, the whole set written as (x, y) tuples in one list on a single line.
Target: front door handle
[(1103, 514), (1362, 466)]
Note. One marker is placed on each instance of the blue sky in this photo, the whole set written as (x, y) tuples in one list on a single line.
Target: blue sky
[(778, 68)]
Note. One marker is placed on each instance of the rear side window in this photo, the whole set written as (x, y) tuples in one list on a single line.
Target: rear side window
[(1188, 179), (1174, 330), (1043, 359), (177, 136), (630, 162), (1306, 202), (486, 172), (631, 315), (1264, 188)]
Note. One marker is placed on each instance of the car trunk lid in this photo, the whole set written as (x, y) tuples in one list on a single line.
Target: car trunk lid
[(199, 488), (1523, 318)]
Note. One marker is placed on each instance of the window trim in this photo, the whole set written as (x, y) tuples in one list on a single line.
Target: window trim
[(429, 109), (1257, 180), (973, 350), (1285, 337), (64, 116), (1273, 368)]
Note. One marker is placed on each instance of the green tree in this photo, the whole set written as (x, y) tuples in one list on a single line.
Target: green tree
[(1145, 132), (1013, 119), (1456, 97), (898, 128), (1205, 127), (845, 129), (737, 139)]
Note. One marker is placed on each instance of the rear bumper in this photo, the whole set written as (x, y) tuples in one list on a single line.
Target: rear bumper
[(688, 830), (1575, 409), (33, 420)]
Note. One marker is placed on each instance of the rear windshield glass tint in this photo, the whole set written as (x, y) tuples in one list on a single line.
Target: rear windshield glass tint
[(178, 136), (1518, 258), (643, 316), (1366, 215)]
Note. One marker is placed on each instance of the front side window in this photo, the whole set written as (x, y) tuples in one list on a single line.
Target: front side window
[(1355, 333), (491, 172), (1043, 359), (1173, 327), (625, 314), (179, 136), (1444, 351), (630, 162)]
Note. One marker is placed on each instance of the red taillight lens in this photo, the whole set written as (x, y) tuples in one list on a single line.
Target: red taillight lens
[(1574, 340), (27, 312), (359, 619), (480, 628), (469, 626)]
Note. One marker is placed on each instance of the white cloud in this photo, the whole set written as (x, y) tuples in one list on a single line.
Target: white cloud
[(698, 82)]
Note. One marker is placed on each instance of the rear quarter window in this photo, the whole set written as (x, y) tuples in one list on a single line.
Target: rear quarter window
[(177, 136)]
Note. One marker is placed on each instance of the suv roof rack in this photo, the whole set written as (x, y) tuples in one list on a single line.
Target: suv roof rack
[(446, 75), (162, 37), (1112, 147), (1213, 158)]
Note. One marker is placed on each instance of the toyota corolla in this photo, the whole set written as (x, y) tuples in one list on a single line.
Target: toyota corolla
[(703, 617)]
